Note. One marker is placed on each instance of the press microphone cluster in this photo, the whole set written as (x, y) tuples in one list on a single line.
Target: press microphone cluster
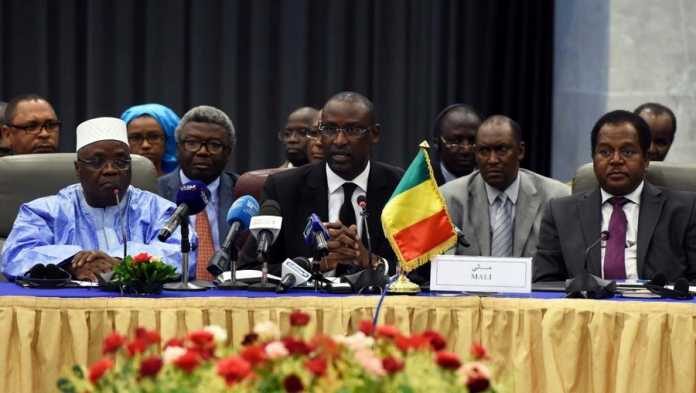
[(316, 236), (295, 272), (238, 217), (191, 199), (265, 228)]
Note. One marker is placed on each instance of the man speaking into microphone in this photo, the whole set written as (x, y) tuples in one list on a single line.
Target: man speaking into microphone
[(82, 227), (331, 188)]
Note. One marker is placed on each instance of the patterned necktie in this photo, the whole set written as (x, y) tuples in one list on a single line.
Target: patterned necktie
[(501, 240), (615, 253), (205, 247), (347, 212)]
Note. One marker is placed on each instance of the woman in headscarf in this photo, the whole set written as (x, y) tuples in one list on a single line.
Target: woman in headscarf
[(151, 134)]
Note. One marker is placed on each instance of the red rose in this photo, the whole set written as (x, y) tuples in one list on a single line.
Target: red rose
[(188, 361), (174, 342), (299, 318), (392, 365), (99, 368), (250, 339), (448, 360), (150, 366), (296, 347), (478, 351), (112, 343), (293, 384), (143, 257), (387, 331), (201, 338), (476, 385), (437, 342), (316, 366), (149, 336), (233, 369), (366, 327), (253, 354), (477, 376), (325, 344), (136, 346), (414, 342)]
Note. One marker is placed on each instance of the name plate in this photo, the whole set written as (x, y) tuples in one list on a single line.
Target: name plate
[(480, 274)]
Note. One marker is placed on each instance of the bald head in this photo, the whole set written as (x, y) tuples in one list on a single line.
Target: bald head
[(294, 136)]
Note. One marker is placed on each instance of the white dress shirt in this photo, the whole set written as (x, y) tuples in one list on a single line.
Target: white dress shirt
[(632, 211), (211, 209), (336, 195)]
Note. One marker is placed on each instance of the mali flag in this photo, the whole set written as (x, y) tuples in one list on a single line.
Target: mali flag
[(415, 219)]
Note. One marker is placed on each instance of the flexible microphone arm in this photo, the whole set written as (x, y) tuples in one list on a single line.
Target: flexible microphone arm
[(587, 285), (362, 202), (603, 237)]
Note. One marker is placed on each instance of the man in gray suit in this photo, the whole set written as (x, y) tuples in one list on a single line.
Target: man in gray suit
[(499, 206), (205, 137)]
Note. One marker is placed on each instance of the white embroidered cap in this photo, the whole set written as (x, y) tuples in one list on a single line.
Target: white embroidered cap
[(101, 129)]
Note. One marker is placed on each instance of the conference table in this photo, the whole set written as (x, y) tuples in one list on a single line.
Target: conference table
[(539, 342)]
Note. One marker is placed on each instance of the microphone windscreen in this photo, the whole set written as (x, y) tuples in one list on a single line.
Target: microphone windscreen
[(195, 195), (681, 285), (242, 210), (269, 207), (362, 200), (303, 263), (659, 279)]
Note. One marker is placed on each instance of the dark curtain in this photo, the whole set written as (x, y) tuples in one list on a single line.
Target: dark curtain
[(257, 60)]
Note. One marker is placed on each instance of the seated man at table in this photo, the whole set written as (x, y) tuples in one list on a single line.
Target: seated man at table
[(331, 188), (648, 230), (82, 227)]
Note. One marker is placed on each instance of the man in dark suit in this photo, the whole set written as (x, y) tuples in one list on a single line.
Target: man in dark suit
[(330, 188), (205, 137), (650, 230), (453, 137)]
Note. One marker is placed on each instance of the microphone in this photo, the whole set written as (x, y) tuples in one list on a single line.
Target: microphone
[(680, 290), (238, 217), (265, 228), (316, 236), (295, 272), (191, 199), (123, 224), (587, 285), (362, 203)]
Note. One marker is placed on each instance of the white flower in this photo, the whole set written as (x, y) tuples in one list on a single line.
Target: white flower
[(276, 349), (154, 258), (170, 354), (356, 342), (219, 333), (370, 362), (267, 331)]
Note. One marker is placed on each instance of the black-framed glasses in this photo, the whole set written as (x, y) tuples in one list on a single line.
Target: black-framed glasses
[(36, 127), (313, 133), (151, 138), (193, 145), (287, 133), (498, 150), (353, 132), (625, 152), (97, 163), (455, 143)]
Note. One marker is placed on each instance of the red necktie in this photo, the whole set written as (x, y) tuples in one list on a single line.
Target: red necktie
[(615, 254), (205, 247)]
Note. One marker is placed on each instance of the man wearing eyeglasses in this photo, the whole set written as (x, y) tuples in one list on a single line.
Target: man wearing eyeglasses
[(205, 137), (82, 228), (454, 132), (31, 125), (499, 206), (629, 228), (330, 188), (295, 136)]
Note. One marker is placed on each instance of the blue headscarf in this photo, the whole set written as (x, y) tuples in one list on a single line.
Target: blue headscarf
[(168, 120)]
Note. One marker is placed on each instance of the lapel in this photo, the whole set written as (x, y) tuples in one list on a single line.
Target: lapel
[(525, 213), (589, 210), (315, 197), (651, 206), (478, 211)]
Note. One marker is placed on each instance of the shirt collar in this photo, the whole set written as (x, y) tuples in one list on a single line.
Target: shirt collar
[(335, 181), (212, 187), (449, 176), (512, 191), (634, 196)]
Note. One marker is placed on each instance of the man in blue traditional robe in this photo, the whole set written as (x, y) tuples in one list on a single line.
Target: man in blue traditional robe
[(82, 227)]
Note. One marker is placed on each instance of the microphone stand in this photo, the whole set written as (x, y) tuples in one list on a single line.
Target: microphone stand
[(264, 285), (184, 285), (232, 283), (586, 284)]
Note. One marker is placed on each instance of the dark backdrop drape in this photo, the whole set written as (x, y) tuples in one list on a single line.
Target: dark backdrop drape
[(257, 60)]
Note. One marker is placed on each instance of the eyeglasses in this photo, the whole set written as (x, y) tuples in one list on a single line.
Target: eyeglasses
[(498, 150), (625, 152), (97, 163), (287, 133), (213, 146), (313, 133), (35, 128), (453, 144), (137, 139), (352, 132)]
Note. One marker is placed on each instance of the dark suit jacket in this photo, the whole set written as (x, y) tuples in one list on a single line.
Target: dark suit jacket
[(303, 191), (666, 235), (437, 171), (169, 185)]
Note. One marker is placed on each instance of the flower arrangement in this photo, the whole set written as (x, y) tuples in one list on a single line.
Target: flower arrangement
[(375, 359), (141, 274)]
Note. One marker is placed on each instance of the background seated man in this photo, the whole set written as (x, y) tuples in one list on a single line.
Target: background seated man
[(454, 132), (31, 125), (663, 126), (82, 226), (295, 136), (331, 188), (650, 230)]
